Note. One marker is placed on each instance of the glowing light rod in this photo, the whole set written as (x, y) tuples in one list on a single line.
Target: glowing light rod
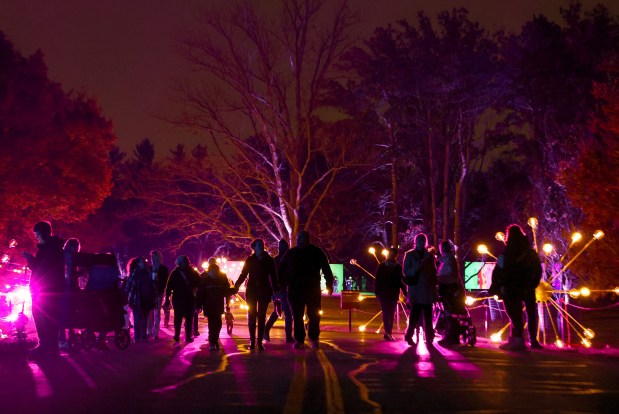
[(354, 262), (483, 249), (598, 235)]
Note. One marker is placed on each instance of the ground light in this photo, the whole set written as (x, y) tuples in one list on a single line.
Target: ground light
[(372, 251), (483, 249), (547, 248), (545, 293)]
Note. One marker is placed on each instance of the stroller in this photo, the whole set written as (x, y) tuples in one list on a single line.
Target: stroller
[(459, 316), (99, 307)]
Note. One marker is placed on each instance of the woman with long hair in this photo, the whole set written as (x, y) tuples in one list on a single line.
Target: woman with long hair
[(521, 270)]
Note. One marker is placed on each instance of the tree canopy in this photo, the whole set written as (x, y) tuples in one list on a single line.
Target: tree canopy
[(54, 148)]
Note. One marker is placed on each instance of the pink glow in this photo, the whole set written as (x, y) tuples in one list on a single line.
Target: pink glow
[(19, 295), (176, 370), (459, 363), (41, 384), (425, 368)]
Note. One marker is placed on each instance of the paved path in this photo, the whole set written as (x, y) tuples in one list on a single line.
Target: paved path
[(350, 373)]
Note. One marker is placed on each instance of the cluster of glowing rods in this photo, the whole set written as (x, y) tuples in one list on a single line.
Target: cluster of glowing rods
[(543, 292)]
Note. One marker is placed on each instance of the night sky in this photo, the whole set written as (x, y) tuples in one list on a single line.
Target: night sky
[(121, 52)]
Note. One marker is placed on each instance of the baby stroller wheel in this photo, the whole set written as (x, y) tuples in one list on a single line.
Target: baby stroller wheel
[(74, 341), (122, 339), (88, 339)]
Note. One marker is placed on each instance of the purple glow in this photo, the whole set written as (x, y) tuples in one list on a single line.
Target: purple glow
[(459, 363)]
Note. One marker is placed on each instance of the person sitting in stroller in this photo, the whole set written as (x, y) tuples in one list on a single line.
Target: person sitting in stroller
[(451, 291)]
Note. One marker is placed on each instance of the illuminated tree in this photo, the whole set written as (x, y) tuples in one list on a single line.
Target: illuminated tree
[(592, 184), (255, 97), (552, 70), (54, 148), (428, 87)]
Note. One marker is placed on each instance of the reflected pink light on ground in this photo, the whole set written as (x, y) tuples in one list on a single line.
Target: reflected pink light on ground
[(422, 349), (244, 380), (89, 381), (42, 387), (178, 366), (459, 363), (425, 368)]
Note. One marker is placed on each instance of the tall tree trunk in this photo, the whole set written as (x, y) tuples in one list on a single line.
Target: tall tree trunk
[(446, 191), (432, 181), (464, 152), (394, 194)]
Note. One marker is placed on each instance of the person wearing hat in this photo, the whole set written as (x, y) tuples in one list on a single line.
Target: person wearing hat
[(182, 285)]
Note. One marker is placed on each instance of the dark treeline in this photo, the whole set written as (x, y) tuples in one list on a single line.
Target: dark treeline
[(432, 124)]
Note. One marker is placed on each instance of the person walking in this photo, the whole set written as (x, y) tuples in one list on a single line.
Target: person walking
[(519, 269), (213, 293), (259, 271), (420, 276), (387, 288), (300, 272), (182, 285), (160, 275), (141, 292), (47, 284), (280, 301)]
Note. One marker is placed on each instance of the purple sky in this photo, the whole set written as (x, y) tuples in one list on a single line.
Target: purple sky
[(121, 52)]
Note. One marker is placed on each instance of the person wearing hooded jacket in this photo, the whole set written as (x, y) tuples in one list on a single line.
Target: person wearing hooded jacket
[(183, 285), (47, 284)]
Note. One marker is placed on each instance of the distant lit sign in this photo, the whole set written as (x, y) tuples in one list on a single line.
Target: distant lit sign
[(350, 299)]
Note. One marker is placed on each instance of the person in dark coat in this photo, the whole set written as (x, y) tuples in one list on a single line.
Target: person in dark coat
[(182, 285), (387, 288), (280, 302), (300, 272), (47, 284), (521, 271), (141, 291), (420, 276), (213, 294), (259, 271), (71, 274), (160, 274), (451, 290)]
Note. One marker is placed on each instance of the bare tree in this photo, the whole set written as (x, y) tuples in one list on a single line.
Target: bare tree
[(256, 96)]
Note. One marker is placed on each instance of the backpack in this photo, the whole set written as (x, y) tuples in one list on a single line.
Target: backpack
[(526, 273)]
